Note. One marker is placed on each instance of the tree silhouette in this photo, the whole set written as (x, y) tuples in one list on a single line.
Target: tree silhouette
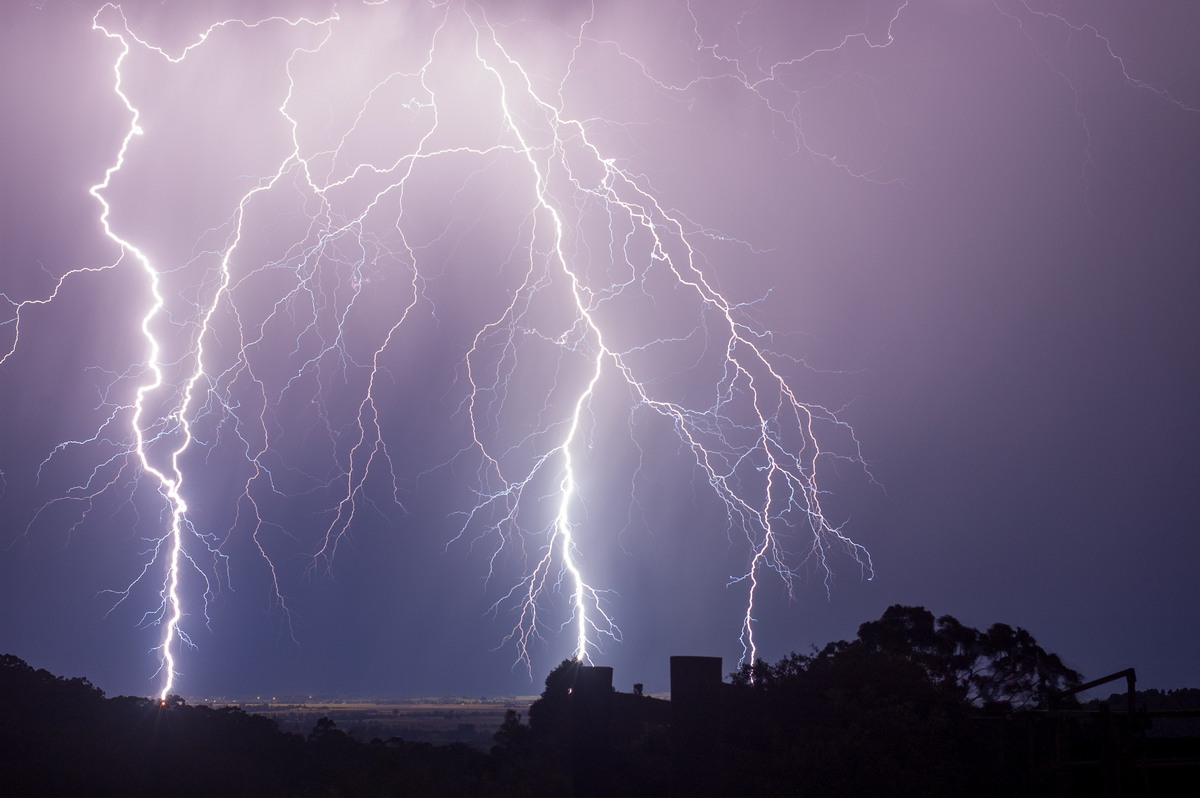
[(549, 715), (906, 696), (1000, 666)]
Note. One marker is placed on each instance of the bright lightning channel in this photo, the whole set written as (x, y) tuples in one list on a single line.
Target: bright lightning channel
[(170, 479)]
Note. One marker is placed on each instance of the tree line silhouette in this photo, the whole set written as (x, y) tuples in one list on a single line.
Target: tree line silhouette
[(63, 737), (912, 706)]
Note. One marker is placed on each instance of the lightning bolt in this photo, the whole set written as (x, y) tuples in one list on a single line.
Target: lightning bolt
[(283, 332), (776, 430), (176, 426)]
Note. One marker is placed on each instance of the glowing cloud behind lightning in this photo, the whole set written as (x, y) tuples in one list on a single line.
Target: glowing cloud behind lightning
[(599, 310), (412, 259)]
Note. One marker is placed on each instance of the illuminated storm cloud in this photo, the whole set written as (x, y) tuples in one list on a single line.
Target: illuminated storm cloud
[(398, 255)]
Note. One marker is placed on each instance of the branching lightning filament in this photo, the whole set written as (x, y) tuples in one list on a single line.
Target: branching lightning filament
[(407, 175)]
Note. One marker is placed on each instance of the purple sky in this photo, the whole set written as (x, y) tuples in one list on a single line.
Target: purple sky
[(969, 228)]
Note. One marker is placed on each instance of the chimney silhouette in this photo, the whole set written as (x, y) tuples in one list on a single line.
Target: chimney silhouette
[(696, 723)]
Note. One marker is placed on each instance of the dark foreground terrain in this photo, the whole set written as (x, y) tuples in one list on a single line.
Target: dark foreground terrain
[(912, 706)]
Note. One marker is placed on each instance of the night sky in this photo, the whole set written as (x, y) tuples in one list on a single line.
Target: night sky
[(966, 231)]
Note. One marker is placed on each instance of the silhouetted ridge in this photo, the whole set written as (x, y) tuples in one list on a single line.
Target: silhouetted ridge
[(912, 706), (63, 737)]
